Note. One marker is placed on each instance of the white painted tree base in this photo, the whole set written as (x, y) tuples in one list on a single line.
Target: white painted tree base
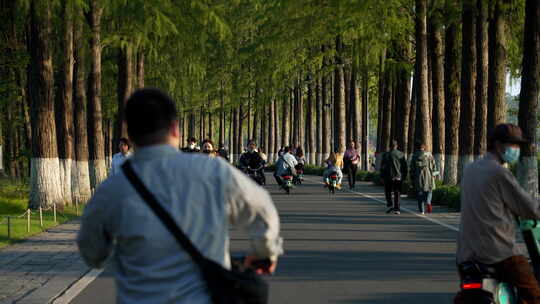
[(451, 169), (65, 178), (80, 185), (45, 183), (98, 172), (527, 174), (318, 159), (464, 161), (439, 162)]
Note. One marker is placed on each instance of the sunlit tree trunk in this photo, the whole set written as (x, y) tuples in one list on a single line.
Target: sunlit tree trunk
[(326, 118), (365, 122), (98, 169), (423, 131), (124, 90), (452, 98), (339, 99), (319, 121), (285, 119), (437, 76), (64, 106), (497, 65), (480, 125), (527, 171), (45, 182)]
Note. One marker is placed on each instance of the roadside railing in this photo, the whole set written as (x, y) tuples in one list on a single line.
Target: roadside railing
[(32, 217)]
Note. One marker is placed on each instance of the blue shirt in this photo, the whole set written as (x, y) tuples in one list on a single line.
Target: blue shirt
[(203, 194)]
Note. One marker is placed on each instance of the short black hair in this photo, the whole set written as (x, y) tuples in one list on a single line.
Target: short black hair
[(192, 139), (125, 141), (149, 114)]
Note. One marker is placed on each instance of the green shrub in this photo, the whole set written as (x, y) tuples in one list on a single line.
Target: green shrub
[(447, 195)]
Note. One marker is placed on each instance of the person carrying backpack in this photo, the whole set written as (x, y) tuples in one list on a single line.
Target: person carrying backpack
[(423, 173)]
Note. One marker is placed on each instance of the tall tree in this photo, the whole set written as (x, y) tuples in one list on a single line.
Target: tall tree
[(98, 169), (80, 175), (45, 183), (528, 97), (423, 131), (339, 98), (480, 137), (497, 65), (437, 76), (285, 133), (64, 106), (452, 95), (125, 88), (468, 82)]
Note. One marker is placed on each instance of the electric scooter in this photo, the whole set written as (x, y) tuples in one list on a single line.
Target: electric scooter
[(481, 284)]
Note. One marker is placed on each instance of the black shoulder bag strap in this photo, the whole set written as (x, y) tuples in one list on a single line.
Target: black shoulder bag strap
[(166, 219)]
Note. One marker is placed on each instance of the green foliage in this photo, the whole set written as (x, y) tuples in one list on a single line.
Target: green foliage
[(448, 195), (14, 203)]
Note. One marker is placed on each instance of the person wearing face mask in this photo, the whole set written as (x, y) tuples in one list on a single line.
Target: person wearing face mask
[(253, 160), (192, 146), (491, 199)]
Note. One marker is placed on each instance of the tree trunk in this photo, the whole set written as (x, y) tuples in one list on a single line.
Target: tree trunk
[(348, 100), (277, 130), (98, 170), (423, 132), (365, 122), (468, 81), (222, 118), (412, 114), (271, 132), (318, 126), (497, 66), (326, 119), (356, 108), (64, 108), (236, 137), (339, 100), (480, 125), (45, 183), (140, 69), (437, 76), (527, 170), (285, 135), (404, 97), (310, 126), (452, 100), (386, 126), (125, 87)]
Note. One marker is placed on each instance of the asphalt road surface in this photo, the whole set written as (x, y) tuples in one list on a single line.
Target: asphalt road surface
[(345, 249)]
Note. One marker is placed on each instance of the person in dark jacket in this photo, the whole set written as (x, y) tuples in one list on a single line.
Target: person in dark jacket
[(192, 146), (393, 172)]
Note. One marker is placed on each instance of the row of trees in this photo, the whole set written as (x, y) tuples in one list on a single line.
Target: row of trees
[(314, 74)]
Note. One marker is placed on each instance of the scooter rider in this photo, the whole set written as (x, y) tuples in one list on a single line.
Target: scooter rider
[(252, 159), (491, 198), (285, 165), (192, 146)]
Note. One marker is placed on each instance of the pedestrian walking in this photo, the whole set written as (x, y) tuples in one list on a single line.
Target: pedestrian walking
[(202, 196), (423, 174), (351, 158), (120, 157), (393, 172)]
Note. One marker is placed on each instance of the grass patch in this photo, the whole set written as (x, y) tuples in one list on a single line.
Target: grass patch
[(14, 203)]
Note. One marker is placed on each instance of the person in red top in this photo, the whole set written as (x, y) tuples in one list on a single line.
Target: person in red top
[(351, 158)]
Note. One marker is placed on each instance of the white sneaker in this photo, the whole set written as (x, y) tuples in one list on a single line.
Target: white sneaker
[(423, 213), (397, 212)]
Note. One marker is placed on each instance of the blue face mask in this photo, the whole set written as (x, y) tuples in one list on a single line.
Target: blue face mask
[(511, 155)]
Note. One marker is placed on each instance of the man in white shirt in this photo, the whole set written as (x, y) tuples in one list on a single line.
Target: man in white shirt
[(204, 196), (120, 157)]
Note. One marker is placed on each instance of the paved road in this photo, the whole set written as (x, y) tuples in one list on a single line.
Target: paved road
[(345, 249)]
